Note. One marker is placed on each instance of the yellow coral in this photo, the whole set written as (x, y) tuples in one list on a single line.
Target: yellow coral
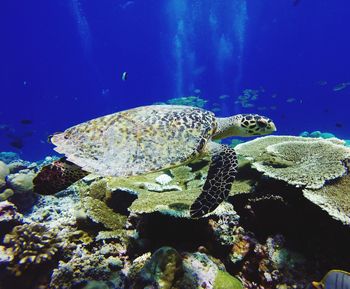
[(29, 245)]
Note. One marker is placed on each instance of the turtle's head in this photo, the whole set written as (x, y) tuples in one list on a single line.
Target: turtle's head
[(243, 125), (252, 124)]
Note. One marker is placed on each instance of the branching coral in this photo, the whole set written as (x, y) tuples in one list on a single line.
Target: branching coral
[(29, 245)]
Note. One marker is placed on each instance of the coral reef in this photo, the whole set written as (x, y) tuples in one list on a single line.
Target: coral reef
[(101, 232), (317, 134), (29, 245), (301, 163), (334, 198), (8, 157)]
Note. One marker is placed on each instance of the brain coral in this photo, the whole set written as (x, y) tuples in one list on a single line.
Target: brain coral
[(29, 245), (298, 162)]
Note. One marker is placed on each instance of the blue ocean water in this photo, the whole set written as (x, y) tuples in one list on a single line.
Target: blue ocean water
[(61, 62)]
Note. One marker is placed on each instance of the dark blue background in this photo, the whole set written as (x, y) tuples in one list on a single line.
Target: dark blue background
[(60, 62)]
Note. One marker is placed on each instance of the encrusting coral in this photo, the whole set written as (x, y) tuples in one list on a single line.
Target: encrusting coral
[(29, 245), (298, 162), (101, 262)]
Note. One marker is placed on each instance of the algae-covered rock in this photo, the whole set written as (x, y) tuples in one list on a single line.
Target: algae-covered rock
[(224, 280), (334, 198), (298, 161), (161, 270), (7, 193)]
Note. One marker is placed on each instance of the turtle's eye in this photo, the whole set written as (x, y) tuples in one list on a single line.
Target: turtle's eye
[(262, 123)]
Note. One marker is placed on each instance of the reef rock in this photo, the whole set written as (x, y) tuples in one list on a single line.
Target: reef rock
[(161, 270), (169, 269)]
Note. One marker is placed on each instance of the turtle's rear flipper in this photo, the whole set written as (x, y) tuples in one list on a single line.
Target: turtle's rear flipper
[(221, 174), (57, 176)]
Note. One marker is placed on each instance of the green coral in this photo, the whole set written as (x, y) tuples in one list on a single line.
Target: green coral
[(29, 245), (296, 160), (224, 280), (334, 198), (99, 212)]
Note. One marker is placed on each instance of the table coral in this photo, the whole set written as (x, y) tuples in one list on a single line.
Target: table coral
[(298, 162), (99, 212), (29, 245), (334, 198)]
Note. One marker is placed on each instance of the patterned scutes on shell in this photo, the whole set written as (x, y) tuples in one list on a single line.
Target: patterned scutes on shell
[(138, 140)]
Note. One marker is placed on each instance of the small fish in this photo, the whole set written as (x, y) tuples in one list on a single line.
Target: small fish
[(127, 4), (216, 109), (17, 143), (341, 86), (296, 2), (334, 279), (224, 96), (197, 91), (322, 82), (339, 125), (26, 121), (274, 95), (124, 76), (290, 100), (4, 127), (28, 133)]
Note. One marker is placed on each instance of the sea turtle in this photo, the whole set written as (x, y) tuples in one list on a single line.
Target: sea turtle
[(152, 138)]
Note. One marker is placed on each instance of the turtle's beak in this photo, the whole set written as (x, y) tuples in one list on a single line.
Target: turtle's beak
[(273, 127)]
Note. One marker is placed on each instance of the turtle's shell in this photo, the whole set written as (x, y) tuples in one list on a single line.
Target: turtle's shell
[(138, 140)]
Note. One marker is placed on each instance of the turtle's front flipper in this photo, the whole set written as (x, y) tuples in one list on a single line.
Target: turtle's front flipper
[(57, 176), (221, 174)]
